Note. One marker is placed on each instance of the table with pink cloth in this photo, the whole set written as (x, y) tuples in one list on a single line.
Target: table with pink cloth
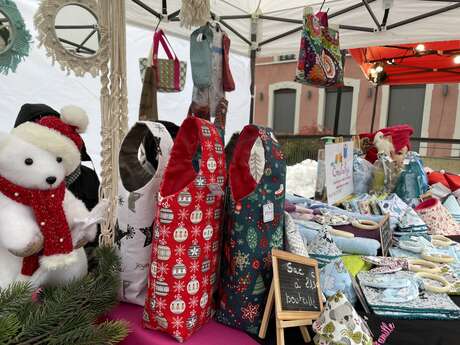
[(212, 333)]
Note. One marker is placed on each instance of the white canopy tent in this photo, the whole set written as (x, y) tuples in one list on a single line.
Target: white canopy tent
[(271, 27), (264, 27), (408, 21)]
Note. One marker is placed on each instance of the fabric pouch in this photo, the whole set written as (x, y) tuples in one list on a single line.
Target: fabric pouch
[(400, 213), (294, 241), (453, 207), (355, 264), (334, 278), (363, 172), (323, 248), (340, 324), (401, 295)]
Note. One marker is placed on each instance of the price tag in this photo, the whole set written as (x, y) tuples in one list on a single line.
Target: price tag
[(269, 212)]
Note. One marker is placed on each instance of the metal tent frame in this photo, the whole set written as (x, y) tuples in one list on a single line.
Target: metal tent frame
[(255, 45)]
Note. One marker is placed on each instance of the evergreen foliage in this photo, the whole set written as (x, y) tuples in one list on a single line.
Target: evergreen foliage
[(64, 315)]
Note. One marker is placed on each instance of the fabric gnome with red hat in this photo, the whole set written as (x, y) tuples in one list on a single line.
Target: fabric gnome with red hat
[(42, 225)]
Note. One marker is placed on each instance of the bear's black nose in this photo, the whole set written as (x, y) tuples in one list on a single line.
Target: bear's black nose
[(51, 179)]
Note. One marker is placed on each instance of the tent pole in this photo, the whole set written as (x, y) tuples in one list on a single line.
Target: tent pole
[(423, 16), (148, 8), (337, 111), (371, 13), (254, 47), (252, 89), (374, 109), (349, 9)]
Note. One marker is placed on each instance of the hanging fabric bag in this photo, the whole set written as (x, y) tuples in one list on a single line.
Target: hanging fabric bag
[(227, 77), (148, 106), (211, 95), (201, 42), (320, 60), (186, 233), (171, 73), (137, 201)]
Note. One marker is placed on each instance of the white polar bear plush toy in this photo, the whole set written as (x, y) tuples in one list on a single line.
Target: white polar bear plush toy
[(42, 225)]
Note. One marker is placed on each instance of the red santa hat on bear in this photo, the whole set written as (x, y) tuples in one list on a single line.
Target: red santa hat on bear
[(60, 136)]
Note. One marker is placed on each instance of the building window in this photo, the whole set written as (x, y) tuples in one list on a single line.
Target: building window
[(284, 110), (346, 105), (406, 107)]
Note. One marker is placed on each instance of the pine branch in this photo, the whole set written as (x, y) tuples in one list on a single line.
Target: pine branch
[(109, 332), (14, 297), (9, 327), (65, 315)]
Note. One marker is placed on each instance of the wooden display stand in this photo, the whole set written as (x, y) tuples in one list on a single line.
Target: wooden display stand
[(296, 293)]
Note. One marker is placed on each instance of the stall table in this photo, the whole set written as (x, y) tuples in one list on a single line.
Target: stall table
[(212, 333)]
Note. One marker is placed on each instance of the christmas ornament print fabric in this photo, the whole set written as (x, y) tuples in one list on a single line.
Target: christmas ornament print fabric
[(254, 226), (186, 233), (137, 200)]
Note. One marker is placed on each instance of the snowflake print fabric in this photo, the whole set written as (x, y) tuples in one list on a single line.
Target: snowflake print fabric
[(257, 179), (186, 234)]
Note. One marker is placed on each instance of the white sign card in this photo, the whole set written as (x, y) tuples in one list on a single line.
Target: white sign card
[(339, 171)]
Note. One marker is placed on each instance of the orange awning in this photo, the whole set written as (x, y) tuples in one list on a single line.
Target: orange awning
[(404, 64)]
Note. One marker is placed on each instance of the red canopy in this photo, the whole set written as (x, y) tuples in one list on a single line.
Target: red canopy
[(403, 64)]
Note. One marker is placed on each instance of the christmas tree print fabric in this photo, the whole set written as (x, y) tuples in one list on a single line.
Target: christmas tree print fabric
[(186, 233), (138, 188), (254, 225)]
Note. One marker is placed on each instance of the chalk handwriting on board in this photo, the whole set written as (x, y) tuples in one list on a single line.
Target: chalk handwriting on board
[(298, 286)]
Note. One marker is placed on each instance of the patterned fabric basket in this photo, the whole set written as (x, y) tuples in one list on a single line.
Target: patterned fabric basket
[(320, 60), (437, 217)]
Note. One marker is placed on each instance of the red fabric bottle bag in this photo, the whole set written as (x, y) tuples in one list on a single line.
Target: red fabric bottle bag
[(186, 233)]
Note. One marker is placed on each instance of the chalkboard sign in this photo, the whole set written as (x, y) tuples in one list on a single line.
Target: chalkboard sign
[(386, 235), (297, 290)]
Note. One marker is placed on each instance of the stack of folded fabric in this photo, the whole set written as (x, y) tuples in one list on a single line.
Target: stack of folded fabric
[(350, 245), (453, 207), (397, 295), (364, 204), (403, 217), (350, 222)]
